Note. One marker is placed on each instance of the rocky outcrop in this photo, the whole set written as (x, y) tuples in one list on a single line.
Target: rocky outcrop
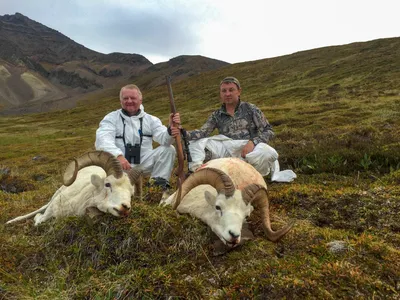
[(73, 80), (110, 73), (124, 58), (180, 68)]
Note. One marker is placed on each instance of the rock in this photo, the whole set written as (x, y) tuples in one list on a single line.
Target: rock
[(5, 171), (337, 246), (39, 177), (38, 158)]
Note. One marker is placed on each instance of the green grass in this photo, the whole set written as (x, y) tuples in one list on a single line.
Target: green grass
[(336, 114)]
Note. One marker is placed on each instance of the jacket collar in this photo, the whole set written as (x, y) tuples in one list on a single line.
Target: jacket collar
[(139, 114), (125, 113), (223, 107)]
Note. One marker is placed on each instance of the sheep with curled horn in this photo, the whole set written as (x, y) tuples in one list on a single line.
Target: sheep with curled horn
[(93, 183), (222, 193)]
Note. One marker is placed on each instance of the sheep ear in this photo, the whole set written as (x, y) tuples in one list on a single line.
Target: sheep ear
[(210, 198), (97, 181)]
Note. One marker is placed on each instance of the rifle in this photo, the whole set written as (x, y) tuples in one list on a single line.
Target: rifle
[(179, 150), (186, 147)]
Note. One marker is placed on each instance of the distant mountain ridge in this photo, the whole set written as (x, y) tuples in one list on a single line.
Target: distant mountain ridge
[(41, 69), (41, 42)]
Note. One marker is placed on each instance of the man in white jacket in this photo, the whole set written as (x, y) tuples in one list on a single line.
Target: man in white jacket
[(128, 134)]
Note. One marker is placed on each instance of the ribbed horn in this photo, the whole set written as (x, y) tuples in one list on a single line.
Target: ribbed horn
[(257, 195), (102, 159), (214, 177), (135, 176)]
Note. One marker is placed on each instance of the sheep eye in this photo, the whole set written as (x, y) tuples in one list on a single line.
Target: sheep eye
[(108, 184), (217, 207)]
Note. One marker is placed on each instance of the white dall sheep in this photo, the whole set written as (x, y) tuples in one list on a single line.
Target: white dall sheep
[(222, 194), (94, 182)]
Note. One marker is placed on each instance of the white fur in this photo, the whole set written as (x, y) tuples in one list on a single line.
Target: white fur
[(201, 202), (88, 191)]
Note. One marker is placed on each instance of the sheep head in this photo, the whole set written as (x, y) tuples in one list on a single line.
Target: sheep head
[(117, 187), (228, 210), (228, 216), (228, 206)]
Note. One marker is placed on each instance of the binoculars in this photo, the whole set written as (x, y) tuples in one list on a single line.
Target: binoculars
[(132, 153)]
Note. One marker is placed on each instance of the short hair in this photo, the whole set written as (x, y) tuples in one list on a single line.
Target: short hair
[(130, 87), (230, 79)]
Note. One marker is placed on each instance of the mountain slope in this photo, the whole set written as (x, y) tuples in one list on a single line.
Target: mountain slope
[(178, 68), (367, 70), (65, 69)]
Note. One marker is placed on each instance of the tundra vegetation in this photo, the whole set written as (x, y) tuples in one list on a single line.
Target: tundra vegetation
[(336, 113)]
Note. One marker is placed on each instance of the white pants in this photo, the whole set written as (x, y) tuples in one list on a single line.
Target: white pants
[(158, 162), (263, 158)]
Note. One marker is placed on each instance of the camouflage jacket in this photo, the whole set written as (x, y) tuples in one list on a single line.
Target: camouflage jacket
[(248, 123)]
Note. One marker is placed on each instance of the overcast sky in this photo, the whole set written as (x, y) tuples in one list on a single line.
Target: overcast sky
[(232, 31)]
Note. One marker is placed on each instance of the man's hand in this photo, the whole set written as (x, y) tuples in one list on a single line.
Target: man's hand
[(124, 163), (174, 119), (175, 131), (175, 124), (247, 148)]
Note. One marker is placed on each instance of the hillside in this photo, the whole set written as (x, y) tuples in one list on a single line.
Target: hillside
[(336, 114), (178, 68), (42, 70)]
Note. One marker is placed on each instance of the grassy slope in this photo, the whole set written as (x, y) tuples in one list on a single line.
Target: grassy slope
[(336, 112)]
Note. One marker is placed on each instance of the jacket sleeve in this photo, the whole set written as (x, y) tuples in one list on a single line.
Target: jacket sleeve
[(160, 132), (106, 133), (205, 130), (264, 129)]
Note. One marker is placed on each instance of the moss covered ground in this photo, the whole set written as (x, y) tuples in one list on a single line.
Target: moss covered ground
[(336, 114)]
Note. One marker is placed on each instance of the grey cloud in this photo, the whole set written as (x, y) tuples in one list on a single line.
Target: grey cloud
[(164, 31), (146, 31)]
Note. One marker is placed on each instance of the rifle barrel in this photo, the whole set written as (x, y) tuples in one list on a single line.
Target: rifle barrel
[(179, 150), (171, 95)]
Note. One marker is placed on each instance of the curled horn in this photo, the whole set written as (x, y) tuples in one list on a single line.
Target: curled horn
[(102, 159), (214, 177), (135, 177), (257, 196)]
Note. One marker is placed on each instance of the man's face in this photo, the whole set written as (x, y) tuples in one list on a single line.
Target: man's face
[(131, 100), (229, 93)]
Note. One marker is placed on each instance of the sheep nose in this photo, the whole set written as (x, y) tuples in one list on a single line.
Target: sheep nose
[(234, 237), (126, 207)]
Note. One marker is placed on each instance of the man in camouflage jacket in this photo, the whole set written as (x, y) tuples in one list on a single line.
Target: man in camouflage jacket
[(243, 132)]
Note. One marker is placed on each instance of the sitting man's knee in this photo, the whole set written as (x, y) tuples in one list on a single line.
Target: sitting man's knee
[(168, 149), (268, 152)]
